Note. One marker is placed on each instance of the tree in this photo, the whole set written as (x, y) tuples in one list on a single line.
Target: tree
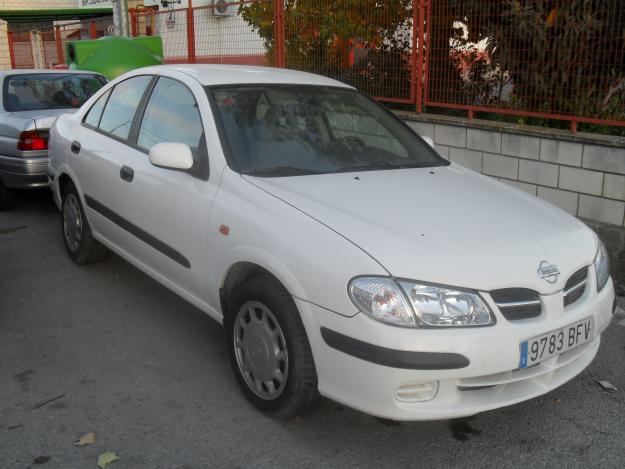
[(553, 56), (562, 56), (320, 35)]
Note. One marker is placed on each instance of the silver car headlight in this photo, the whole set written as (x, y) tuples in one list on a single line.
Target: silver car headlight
[(602, 266), (412, 304)]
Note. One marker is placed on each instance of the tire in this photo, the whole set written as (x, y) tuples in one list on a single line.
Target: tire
[(274, 339), (79, 242), (7, 197)]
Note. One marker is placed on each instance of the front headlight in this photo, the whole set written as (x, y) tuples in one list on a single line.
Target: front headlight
[(602, 266), (427, 306), (381, 298), (447, 307)]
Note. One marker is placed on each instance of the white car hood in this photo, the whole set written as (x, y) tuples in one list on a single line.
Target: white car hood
[(444, 225)]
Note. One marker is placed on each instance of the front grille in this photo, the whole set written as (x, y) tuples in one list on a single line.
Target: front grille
[(575, 286), (517, 303)]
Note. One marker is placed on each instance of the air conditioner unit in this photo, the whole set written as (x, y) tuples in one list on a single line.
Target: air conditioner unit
[(223, 7)]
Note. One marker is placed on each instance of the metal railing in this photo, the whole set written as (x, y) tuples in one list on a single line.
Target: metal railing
[(543, 59), (20, 50), (46, 47), (207, 34), (370, 46)]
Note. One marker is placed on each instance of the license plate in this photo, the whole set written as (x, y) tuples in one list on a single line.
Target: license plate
[(552, 343)]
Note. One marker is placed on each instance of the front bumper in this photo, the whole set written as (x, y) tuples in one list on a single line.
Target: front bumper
[(491, 379), (19, 172)]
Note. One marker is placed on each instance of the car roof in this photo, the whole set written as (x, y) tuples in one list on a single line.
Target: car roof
[(209, 74), (24, 71)]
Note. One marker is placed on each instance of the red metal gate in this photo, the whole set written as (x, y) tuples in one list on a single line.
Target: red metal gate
[(539, 58)]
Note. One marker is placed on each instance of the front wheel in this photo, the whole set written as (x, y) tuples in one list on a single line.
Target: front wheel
[(269, 349), (79, 242)]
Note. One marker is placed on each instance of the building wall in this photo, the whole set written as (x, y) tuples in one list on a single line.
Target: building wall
[(5, 57), (23, 53), (229, 35), (37, 4), (215, 36)]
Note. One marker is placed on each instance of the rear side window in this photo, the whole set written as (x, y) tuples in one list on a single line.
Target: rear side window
[(39, 91), (171, 115), (93, 116), (122, 105)]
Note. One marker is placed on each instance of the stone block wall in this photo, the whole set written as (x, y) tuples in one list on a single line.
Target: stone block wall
[(37, 4), (583, 174), (5, 56)]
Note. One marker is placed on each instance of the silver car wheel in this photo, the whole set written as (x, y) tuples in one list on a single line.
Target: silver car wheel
[(260, 350), (72, 222)]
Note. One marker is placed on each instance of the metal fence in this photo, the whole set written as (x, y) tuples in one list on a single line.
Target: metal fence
[(20, 50), (171, 26), (544, 59), (207, 34), (45, 47), (539, 58), (370, 45), (304, 35)]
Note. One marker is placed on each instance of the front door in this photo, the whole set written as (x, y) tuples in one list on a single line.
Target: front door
[(167, 210)]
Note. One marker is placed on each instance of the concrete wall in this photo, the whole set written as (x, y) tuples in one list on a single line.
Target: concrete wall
[(583, 174), (37, 4), (5, 57)]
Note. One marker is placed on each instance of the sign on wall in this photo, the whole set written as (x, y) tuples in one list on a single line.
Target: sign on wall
[(95, 3), (182, 4)]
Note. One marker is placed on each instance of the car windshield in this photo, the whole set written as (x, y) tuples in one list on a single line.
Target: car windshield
[(38, 91), (291, 130)]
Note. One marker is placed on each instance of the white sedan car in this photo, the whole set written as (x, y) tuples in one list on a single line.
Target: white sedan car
[(344, 257)]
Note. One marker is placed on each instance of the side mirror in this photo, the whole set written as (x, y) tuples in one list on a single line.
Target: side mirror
[(171, 155), (429, 141)]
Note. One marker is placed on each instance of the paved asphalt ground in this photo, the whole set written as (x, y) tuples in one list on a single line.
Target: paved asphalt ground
[(106, 349)]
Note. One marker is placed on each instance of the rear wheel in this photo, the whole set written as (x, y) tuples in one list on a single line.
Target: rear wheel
[(269, 349), (79, 242), (7, 197)]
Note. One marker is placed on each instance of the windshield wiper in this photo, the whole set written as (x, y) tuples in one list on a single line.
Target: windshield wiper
[(383, 165), (282, 171), (71, 75)]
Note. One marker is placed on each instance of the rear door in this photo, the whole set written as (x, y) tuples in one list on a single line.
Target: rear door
[(98, 149)]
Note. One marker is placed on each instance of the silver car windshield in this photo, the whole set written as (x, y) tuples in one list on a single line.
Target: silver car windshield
[(289, 130), (38, 91)]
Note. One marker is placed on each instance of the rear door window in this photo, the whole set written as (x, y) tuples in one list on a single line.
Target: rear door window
[(121, 107), (93, 116)]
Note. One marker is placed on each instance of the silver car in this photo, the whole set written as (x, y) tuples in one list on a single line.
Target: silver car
[(30, 101)]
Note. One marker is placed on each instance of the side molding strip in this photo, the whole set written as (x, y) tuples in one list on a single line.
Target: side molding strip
[(138, 232), (393, 358)]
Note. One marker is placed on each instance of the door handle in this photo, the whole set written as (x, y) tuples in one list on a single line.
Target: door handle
[(126, 173), (75, 147)]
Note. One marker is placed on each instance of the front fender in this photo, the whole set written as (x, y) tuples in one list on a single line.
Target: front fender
[(313, 262), (274, 265)]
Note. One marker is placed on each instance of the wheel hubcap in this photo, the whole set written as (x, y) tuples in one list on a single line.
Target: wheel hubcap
[(260, 350), (72, 222)]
